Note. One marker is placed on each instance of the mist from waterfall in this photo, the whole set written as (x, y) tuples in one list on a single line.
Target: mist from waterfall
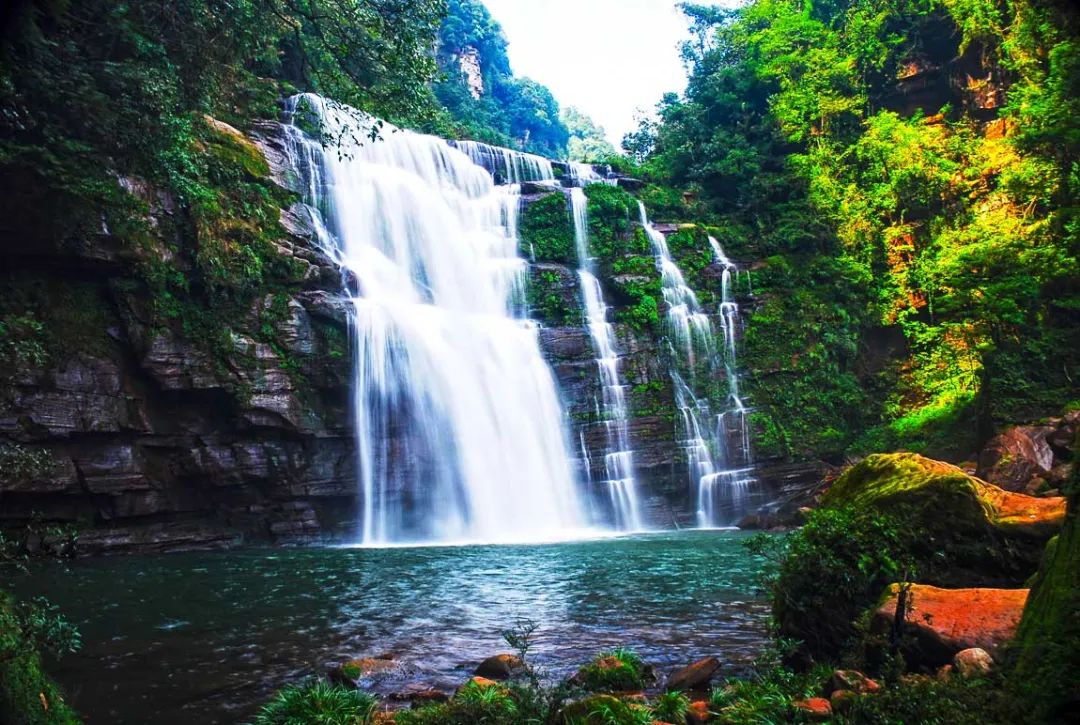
[(459, 428), (618, 457), (717, 446)]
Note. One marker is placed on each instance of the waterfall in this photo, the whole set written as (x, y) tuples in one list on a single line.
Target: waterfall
[(509, 167), (618, 458), (458, 424), (720, 473)]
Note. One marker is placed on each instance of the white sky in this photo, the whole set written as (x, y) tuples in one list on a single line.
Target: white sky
[(606, 57)]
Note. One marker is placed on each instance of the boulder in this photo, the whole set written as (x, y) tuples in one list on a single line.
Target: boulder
[(970, 532), (973, 662), (1012, 458), (853, 680), (694, 676), (942, 622), (499, 667), (814, 708)]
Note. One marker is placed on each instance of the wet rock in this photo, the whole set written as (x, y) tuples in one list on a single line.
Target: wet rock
[(973, 662), (499, 667), (419, 695), (814, 708), (694, 676), (942, 622), (853, 680), (1013, 458), (350, 673)]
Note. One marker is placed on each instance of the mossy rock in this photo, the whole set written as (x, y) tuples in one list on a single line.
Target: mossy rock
[(595, 709), (547, 234), (966, 532), (1047, 643)]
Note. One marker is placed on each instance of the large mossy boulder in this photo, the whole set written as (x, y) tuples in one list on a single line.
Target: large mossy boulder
[(1047, 644), (961, 531)]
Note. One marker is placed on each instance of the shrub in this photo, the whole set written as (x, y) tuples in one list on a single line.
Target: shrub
[(318, 703), (671, 707), (613, 671), (826, 574), (475, 704), (546, 233), (27, 695)]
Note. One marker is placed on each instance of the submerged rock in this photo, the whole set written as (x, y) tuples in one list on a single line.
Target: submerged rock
[(942, 622)]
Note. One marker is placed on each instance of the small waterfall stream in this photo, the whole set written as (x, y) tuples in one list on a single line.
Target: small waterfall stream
[(459, 426), (720, 473), (618, 458)]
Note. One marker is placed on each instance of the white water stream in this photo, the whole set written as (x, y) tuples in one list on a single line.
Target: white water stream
[(618, 457), (459, 427)]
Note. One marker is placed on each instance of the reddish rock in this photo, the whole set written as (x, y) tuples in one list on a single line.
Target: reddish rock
[(973, 662), (942, 622), (698, 712), (694, 676), (499, 667), (1013, 458), (814, 708), (853, 680)]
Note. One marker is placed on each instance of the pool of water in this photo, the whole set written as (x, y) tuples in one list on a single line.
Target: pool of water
[(206, 637)]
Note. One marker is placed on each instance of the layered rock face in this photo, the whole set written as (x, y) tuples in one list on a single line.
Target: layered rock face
[(144, 439), (152, 435)]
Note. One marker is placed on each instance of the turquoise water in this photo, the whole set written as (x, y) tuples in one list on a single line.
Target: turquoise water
[(206, 637)]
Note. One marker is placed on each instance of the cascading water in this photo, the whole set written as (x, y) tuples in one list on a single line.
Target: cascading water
[(618, 458), (734, 459), (514, 167), (459, 428), (719, 475)]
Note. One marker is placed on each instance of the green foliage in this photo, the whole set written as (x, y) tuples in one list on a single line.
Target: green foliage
[(611, 211), (928, 700), (670, 707), (546, 232), (613, 671), (27, 695), (872, 213), (587, 141), (476, 703), (550, 301), (513, 112), (19, 463), (318, 703), (825, 575)]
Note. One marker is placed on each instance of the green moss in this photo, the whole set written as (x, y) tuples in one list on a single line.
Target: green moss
[(546, 231), (27, 695), (614, 671), (550, 301), (1047, 643), (690, 249), (612, 212), (964, 532)]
